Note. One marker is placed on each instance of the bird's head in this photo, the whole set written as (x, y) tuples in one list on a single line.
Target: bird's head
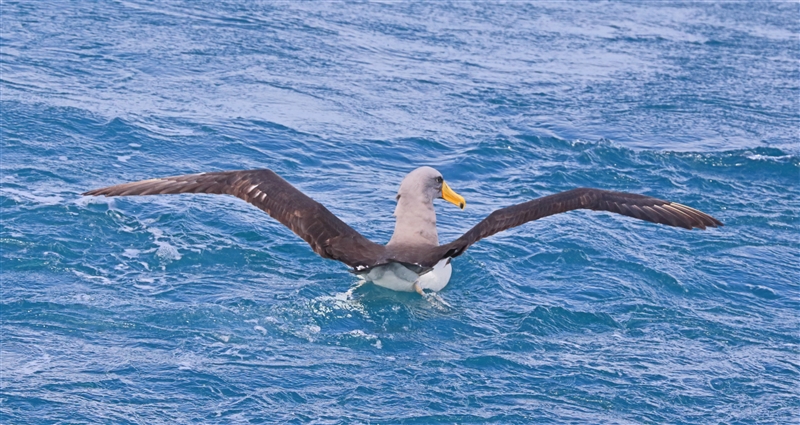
[(426, 184)]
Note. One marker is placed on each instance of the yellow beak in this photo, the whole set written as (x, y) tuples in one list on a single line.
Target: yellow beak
[(450, 196)]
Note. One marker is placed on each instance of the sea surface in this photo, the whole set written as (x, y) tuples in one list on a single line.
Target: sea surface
[(202, 309)]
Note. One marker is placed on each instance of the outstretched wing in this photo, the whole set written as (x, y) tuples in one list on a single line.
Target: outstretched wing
[(328, 236), (630, 204)]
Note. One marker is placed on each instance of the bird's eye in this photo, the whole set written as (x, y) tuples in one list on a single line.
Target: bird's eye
[(439, 179)]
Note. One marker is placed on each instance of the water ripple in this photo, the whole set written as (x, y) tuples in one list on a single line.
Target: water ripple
[(202, 309)]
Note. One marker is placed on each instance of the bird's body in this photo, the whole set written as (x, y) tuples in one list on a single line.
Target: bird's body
[(398, 277), (413, 259)]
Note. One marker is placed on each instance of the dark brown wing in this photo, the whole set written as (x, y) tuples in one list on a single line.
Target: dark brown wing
[(632, 205), (328, 236)]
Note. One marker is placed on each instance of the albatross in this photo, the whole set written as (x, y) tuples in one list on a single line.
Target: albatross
[(412, 260)]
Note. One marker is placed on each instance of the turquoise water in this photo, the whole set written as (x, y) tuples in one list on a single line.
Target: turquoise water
[(202, 309)]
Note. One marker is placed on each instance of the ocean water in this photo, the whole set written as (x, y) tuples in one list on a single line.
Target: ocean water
[(202, 309)]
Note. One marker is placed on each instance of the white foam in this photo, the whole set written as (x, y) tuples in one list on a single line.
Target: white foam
[(131, 253), (28, 197), (758, 157), (167, 251), (358, 333), (84, 201), (104, 280), (185, 365), (361, 334)]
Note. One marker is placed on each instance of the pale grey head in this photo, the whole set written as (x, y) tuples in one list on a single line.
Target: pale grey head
[(416, 217)]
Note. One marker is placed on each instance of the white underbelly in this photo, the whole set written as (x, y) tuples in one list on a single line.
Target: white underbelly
[(398, 278)]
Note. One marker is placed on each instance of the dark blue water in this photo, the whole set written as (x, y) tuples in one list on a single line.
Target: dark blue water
[(202, 309)]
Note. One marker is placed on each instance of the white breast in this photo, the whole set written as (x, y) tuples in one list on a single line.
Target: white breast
[(398, 278)]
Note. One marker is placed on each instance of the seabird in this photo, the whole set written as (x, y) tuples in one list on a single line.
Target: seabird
[(413, 259)]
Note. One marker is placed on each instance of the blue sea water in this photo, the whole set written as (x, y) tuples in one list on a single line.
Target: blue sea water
[(202, 309)]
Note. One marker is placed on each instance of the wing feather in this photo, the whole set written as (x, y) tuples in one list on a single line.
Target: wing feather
[(628, 204), (327, 235)]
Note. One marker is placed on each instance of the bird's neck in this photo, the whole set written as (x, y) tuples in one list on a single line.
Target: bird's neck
[(415, 225)]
